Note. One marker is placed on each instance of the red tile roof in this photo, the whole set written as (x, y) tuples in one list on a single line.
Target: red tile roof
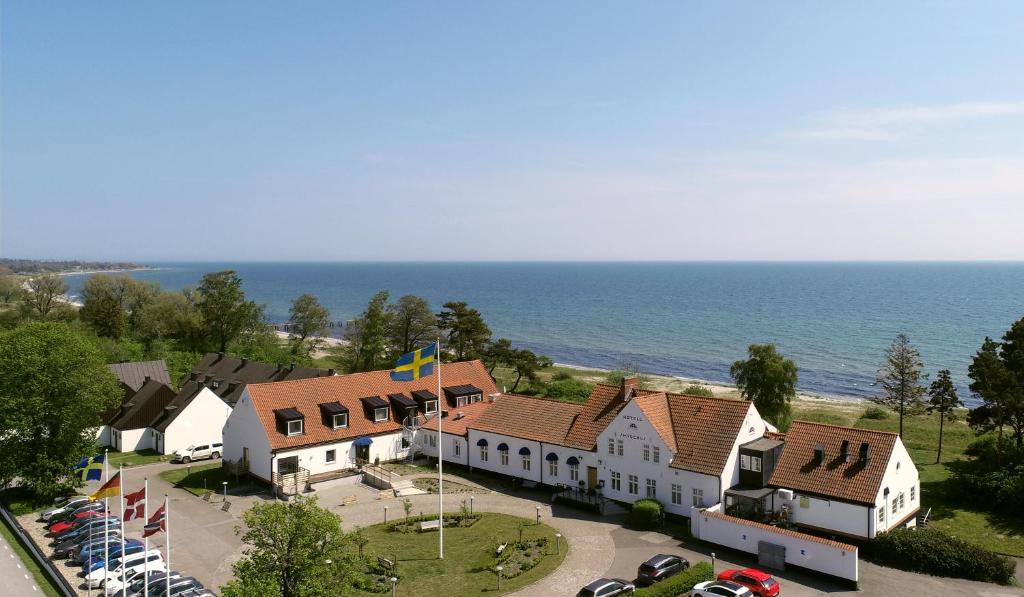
[(705, 430), (307, 394), (528, 417), (848, 481), (779, 530), (601, 408), (455, 425), (655, 408)]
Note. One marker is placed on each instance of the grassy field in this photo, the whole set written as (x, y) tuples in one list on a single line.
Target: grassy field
[(468, 556), (45, 586), (204, 477), (129, 459)]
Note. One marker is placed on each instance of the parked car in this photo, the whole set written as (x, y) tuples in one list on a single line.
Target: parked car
[(73, 509), (720, 588), (660, 567), (62, 525), (137, 581), (117, 567), (178, 586), (759, 583), (63, 507), (93, 524), (115, 552), (200, 452), (94, 549), (604, 587), (67, 549), (157, 579)]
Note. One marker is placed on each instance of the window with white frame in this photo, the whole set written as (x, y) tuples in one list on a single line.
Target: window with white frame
[(652, 488), (677, 494), (330, 456), (574, 472), (881, 515), (432, 440), (483, 453), (553, 468), (619, 446), (461, 401), (902, 502), (380, 414), (504, 457), (295, 427), (456, 447), (913, 492), (657, 454), (430, 407), (698, 497), (755, 464), (611, 446), (895, 503), (745, 462), (647, 452), (616, 481), (634, 484), (475, 398), (339, 420), (526, 462)]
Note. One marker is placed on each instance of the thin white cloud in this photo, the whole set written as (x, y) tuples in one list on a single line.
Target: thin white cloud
[(884, 124)]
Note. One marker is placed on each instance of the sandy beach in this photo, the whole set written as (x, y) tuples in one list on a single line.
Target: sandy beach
[(328, 343)]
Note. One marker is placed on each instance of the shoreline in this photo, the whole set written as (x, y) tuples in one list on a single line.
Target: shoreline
[(106, 271)]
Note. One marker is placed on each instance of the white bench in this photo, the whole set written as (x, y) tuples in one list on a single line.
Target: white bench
[(500, 549), (429, 525)]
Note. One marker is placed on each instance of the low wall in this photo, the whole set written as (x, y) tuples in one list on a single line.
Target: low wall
[(47, 565), (807, 551)]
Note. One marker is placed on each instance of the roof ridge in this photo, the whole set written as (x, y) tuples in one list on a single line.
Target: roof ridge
[(858, 429)]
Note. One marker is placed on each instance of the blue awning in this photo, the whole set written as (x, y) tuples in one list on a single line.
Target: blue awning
[(362, 441), (503, 447), (482, 443), (572, 460), (552, 457), (524, 451)]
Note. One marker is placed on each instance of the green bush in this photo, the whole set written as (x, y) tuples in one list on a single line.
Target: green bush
[(680, 583), (698, 390), (574, 390), (562, 376), (875, 413), (935, 552), (410, 524), (647, 514)]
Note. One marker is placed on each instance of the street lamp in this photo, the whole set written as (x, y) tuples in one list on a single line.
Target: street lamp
[(712, 562), (538, 514), (225, 483), (471, 504), (385, 514), (394, 582), (558, 538), (499, 568)]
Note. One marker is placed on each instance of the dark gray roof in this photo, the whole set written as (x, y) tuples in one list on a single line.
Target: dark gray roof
[(226, 376), (462, 390), (763, 444), (173, 409), (142, 408), (374, 401), (134, 375)]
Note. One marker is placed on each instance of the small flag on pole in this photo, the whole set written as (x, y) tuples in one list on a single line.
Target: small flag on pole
[(155, 524), (135, 505), (90, 469), (416, 364), (110, 488)]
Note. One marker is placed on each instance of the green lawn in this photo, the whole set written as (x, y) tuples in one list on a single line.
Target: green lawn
[(468, 556), (45, 586), (204, 477), (129, 459)]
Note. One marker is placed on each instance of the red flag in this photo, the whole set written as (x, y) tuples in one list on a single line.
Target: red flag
[(156, 523), (135, 505)]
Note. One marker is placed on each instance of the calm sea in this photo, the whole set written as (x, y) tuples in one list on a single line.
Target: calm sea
[(687, 319)]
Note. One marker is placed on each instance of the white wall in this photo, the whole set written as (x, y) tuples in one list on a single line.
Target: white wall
[(586, 459), (825, 514), (202, 422), (103, 436), (801, 550), (387, 447), (515, 461), (131, 440), (244, 429), (449, 441), (900, 476), (753, 427)]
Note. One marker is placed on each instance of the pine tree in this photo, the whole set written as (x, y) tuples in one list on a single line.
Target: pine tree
[(900, 379), (943, 401)]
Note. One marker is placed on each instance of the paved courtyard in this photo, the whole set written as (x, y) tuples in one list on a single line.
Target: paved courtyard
[(205, 544)]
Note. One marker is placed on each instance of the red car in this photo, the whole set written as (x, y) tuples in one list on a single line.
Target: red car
[(759, 583), (60, 527)]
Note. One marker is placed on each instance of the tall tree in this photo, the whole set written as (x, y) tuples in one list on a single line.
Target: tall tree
[(308, 320), (943, 400), (54, 387), (44, 292), (293, 549), (768, 379), (225, 311), (10, 289), (499, 352), (997, 378), (412, 324), (466, 332), (366, 348), (900, 378), (170, 316), (104, 305), (527, 364)]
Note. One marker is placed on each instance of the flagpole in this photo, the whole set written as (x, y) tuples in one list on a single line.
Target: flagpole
[(106, 520), (145, 517), (440, 457), (120, 498), (167, 529)]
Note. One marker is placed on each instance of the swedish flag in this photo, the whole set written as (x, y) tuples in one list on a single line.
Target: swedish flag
[(90, 469), (416, 364)]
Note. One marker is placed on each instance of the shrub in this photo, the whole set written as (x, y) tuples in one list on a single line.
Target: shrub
[(697, 389), (575, 390), (562, 376), (680, 583), (647, 514), (875, 413), (935, 552)]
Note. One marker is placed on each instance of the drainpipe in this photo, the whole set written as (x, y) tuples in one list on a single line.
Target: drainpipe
[(542, 461)]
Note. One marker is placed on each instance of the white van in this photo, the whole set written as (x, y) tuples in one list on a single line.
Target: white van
[(151, 559), (201, 452)]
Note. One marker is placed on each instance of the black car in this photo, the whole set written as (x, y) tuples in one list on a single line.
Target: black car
[(660, 567), (606, 587), (67, 548)]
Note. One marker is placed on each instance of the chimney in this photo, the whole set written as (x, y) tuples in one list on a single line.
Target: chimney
[(819, 453), (628, 386), (492, 397), (459, 415), (245, 361), (844, 450), (194, 376), (330, 372), (145, 381), (207, 379), (865, 453), (220, 355)]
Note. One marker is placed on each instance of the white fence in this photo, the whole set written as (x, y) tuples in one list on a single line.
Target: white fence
[(807, 551)]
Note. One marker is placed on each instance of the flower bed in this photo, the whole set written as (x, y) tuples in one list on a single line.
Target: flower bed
[(451, 519), (519, 557)]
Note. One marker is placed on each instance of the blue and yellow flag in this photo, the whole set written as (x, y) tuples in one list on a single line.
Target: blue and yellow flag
[(90, 469), (416, 364)]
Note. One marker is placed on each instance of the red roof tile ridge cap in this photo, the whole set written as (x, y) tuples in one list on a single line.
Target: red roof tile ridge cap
[(858, 429)]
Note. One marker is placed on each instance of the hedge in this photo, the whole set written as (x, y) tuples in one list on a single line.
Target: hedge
[(647, 514), (935, 552), (680, 583)]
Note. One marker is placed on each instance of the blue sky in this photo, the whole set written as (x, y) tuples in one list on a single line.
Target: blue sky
[(480, 130)]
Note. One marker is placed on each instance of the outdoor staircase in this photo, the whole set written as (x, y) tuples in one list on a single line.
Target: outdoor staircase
[(922, 519)]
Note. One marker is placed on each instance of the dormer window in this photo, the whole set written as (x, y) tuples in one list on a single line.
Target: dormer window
[(462, 395), (295, 427), (462, 401), (430, 407), (334, 415), (380, 414), (290, 421), (476, 398), (339, 420)]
